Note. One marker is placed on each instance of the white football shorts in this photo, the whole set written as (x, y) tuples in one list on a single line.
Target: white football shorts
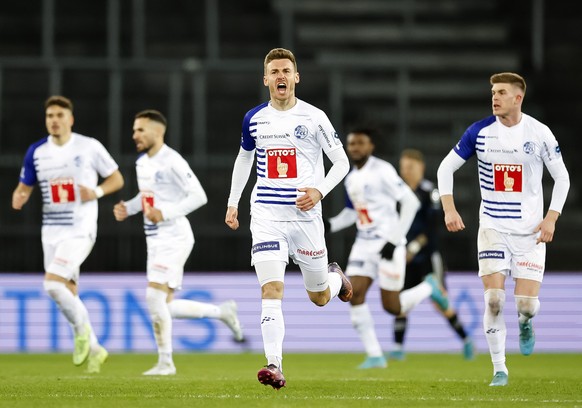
[(64, 258), (302, 241), (510, 254), (365, 260), (166, 262)]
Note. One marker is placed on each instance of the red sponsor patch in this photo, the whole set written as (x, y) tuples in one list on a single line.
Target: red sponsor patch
[(147, 197), (363, 215), (63, 190), (508, 177), (281, 163)]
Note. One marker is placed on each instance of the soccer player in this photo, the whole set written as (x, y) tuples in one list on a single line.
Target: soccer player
[(168, 191), (512, 149), (373, 190), (422, 249), (67, 166), (287, 135)]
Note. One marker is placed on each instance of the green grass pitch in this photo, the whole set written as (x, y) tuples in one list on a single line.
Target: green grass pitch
[(313, 380)]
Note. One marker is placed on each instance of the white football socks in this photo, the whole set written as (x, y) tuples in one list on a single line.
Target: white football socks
[(190, 309), (273, 330), (527, 307), (85, 314), (494, 327), (364, 324), (334, 281), (409, 298), (67, 304), (161, 319)]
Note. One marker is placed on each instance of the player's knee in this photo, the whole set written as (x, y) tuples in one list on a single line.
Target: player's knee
[(319, 298), (527, 305), (53, 288), (391, 307), (156, 300), (494, 301), (272, 290)]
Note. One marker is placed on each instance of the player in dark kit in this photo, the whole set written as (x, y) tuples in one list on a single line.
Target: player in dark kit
[(422, 251)]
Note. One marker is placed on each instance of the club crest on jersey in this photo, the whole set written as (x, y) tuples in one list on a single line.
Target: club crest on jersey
[(528, 148), (336, 138), (78, 161), (508, 177), (281, 163), (301, 132)]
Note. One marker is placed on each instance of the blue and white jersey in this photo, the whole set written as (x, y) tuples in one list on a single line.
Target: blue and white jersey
[(289, 151), (167, 183), (510, 168), (373, 191), (59, 171)]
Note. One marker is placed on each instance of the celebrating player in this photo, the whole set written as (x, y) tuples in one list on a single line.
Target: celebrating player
[(288, 136)]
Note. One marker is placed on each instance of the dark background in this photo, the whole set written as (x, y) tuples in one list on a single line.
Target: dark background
[(417, 70)]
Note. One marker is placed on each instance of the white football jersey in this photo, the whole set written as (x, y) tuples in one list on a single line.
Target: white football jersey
[(510, 168), (59, 171), (373, 192), (289, 156), (167, 182)]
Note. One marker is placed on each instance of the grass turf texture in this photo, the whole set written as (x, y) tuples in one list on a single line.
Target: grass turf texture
[(313, 380)]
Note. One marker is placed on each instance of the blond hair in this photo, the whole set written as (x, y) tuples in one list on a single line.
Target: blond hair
[(413, 154), (279, 53)]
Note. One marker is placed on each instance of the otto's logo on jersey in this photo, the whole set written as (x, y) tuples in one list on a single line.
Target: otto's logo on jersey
[(62, 190), (301, 132), (281, 163), (508, 177), (147, 197)]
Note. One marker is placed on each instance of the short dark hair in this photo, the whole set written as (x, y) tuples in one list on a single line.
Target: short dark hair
[(372, 133), (59, 100), (154, 115), (508, 78)]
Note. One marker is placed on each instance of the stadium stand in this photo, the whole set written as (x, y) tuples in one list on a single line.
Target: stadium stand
[(416, 69)]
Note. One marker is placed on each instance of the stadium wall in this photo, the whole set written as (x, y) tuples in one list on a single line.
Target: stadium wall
[(31, 323)]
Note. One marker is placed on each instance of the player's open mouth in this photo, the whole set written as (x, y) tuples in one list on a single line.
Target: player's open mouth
[(281, 87)]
